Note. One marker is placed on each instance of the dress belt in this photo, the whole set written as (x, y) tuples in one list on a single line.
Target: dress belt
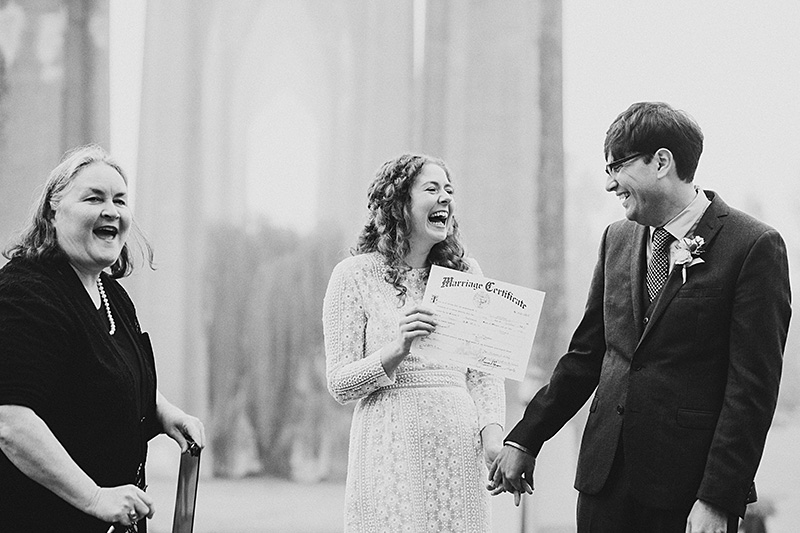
[(428, 378)]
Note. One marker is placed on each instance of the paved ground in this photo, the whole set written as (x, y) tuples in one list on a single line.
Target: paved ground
[(254, 505), (262, 505)]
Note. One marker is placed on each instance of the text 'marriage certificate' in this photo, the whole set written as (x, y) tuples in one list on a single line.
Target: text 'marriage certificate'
[(483, 323)]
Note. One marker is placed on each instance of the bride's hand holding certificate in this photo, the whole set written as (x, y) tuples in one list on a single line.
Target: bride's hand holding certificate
[(417, 322)]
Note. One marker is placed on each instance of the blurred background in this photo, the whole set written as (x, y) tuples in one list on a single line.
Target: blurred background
[(252, 128)]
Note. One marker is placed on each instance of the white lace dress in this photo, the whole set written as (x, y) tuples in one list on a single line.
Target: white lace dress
[(415, 461)]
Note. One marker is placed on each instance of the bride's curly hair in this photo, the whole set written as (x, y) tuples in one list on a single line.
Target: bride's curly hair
[(388, 227)]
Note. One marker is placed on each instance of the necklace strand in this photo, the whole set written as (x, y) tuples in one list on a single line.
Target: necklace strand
[(108, 307)]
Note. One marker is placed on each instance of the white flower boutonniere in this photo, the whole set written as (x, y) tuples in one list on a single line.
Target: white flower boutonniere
[(686, 253)]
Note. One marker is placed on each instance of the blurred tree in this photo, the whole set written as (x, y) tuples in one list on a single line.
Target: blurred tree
[(297, 422), (234, 256), (266, 355)]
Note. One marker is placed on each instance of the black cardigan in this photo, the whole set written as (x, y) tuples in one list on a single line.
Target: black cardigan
[(58, 358)]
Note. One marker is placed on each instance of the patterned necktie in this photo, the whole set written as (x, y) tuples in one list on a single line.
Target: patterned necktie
[(658, 268)]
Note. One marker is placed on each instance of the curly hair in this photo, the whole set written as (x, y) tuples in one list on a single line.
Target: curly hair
[(388, 226), (39, 241)]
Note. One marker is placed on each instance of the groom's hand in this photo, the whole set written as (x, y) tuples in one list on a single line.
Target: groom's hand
[(512, 471), (705, 518)]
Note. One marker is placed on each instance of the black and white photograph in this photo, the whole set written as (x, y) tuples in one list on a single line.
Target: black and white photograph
[(399, 266)]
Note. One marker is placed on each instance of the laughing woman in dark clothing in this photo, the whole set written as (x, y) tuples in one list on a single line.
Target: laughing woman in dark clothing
[(78, 395)]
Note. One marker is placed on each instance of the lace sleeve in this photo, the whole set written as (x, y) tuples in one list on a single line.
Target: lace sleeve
[(351, 373), (487, 390), (489, 394)]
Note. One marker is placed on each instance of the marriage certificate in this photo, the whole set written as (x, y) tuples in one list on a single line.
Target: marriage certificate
[(482, 323)]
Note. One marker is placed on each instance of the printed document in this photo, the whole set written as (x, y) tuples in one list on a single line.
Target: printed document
[(483, 323)]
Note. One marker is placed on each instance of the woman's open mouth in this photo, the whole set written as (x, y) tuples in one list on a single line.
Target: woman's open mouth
[(106, 233), (439, 218)]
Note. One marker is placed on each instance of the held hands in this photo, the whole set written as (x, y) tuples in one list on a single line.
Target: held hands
[(122, 505), (492, 441), (512, 471)]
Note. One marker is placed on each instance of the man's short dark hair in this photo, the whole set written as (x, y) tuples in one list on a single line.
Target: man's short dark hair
[(647, 126)]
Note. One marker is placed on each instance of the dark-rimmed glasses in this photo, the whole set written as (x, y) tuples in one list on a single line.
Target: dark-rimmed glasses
[(616, 165)]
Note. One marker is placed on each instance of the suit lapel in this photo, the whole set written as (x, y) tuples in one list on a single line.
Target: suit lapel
[(708, 227)]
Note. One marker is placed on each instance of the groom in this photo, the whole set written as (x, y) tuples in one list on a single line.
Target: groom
[(681, 344)]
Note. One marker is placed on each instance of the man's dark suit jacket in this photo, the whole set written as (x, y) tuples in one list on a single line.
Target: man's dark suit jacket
[(690, 383)]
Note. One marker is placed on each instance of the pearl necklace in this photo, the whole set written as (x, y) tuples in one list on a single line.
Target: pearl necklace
[(108, 307)]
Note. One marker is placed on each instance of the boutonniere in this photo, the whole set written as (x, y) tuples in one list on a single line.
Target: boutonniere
[(686, 253)]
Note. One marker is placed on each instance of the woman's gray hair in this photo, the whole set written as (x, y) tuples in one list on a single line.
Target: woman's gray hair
[(38, 240)]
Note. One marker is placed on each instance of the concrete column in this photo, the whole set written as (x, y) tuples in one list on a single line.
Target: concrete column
[(168, 203), (46, 104)]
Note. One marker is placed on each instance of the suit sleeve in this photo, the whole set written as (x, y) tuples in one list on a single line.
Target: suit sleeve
[(758, 327), (576, 375)]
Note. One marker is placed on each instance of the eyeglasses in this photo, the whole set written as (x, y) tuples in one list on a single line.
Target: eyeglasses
[(615, 166)]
